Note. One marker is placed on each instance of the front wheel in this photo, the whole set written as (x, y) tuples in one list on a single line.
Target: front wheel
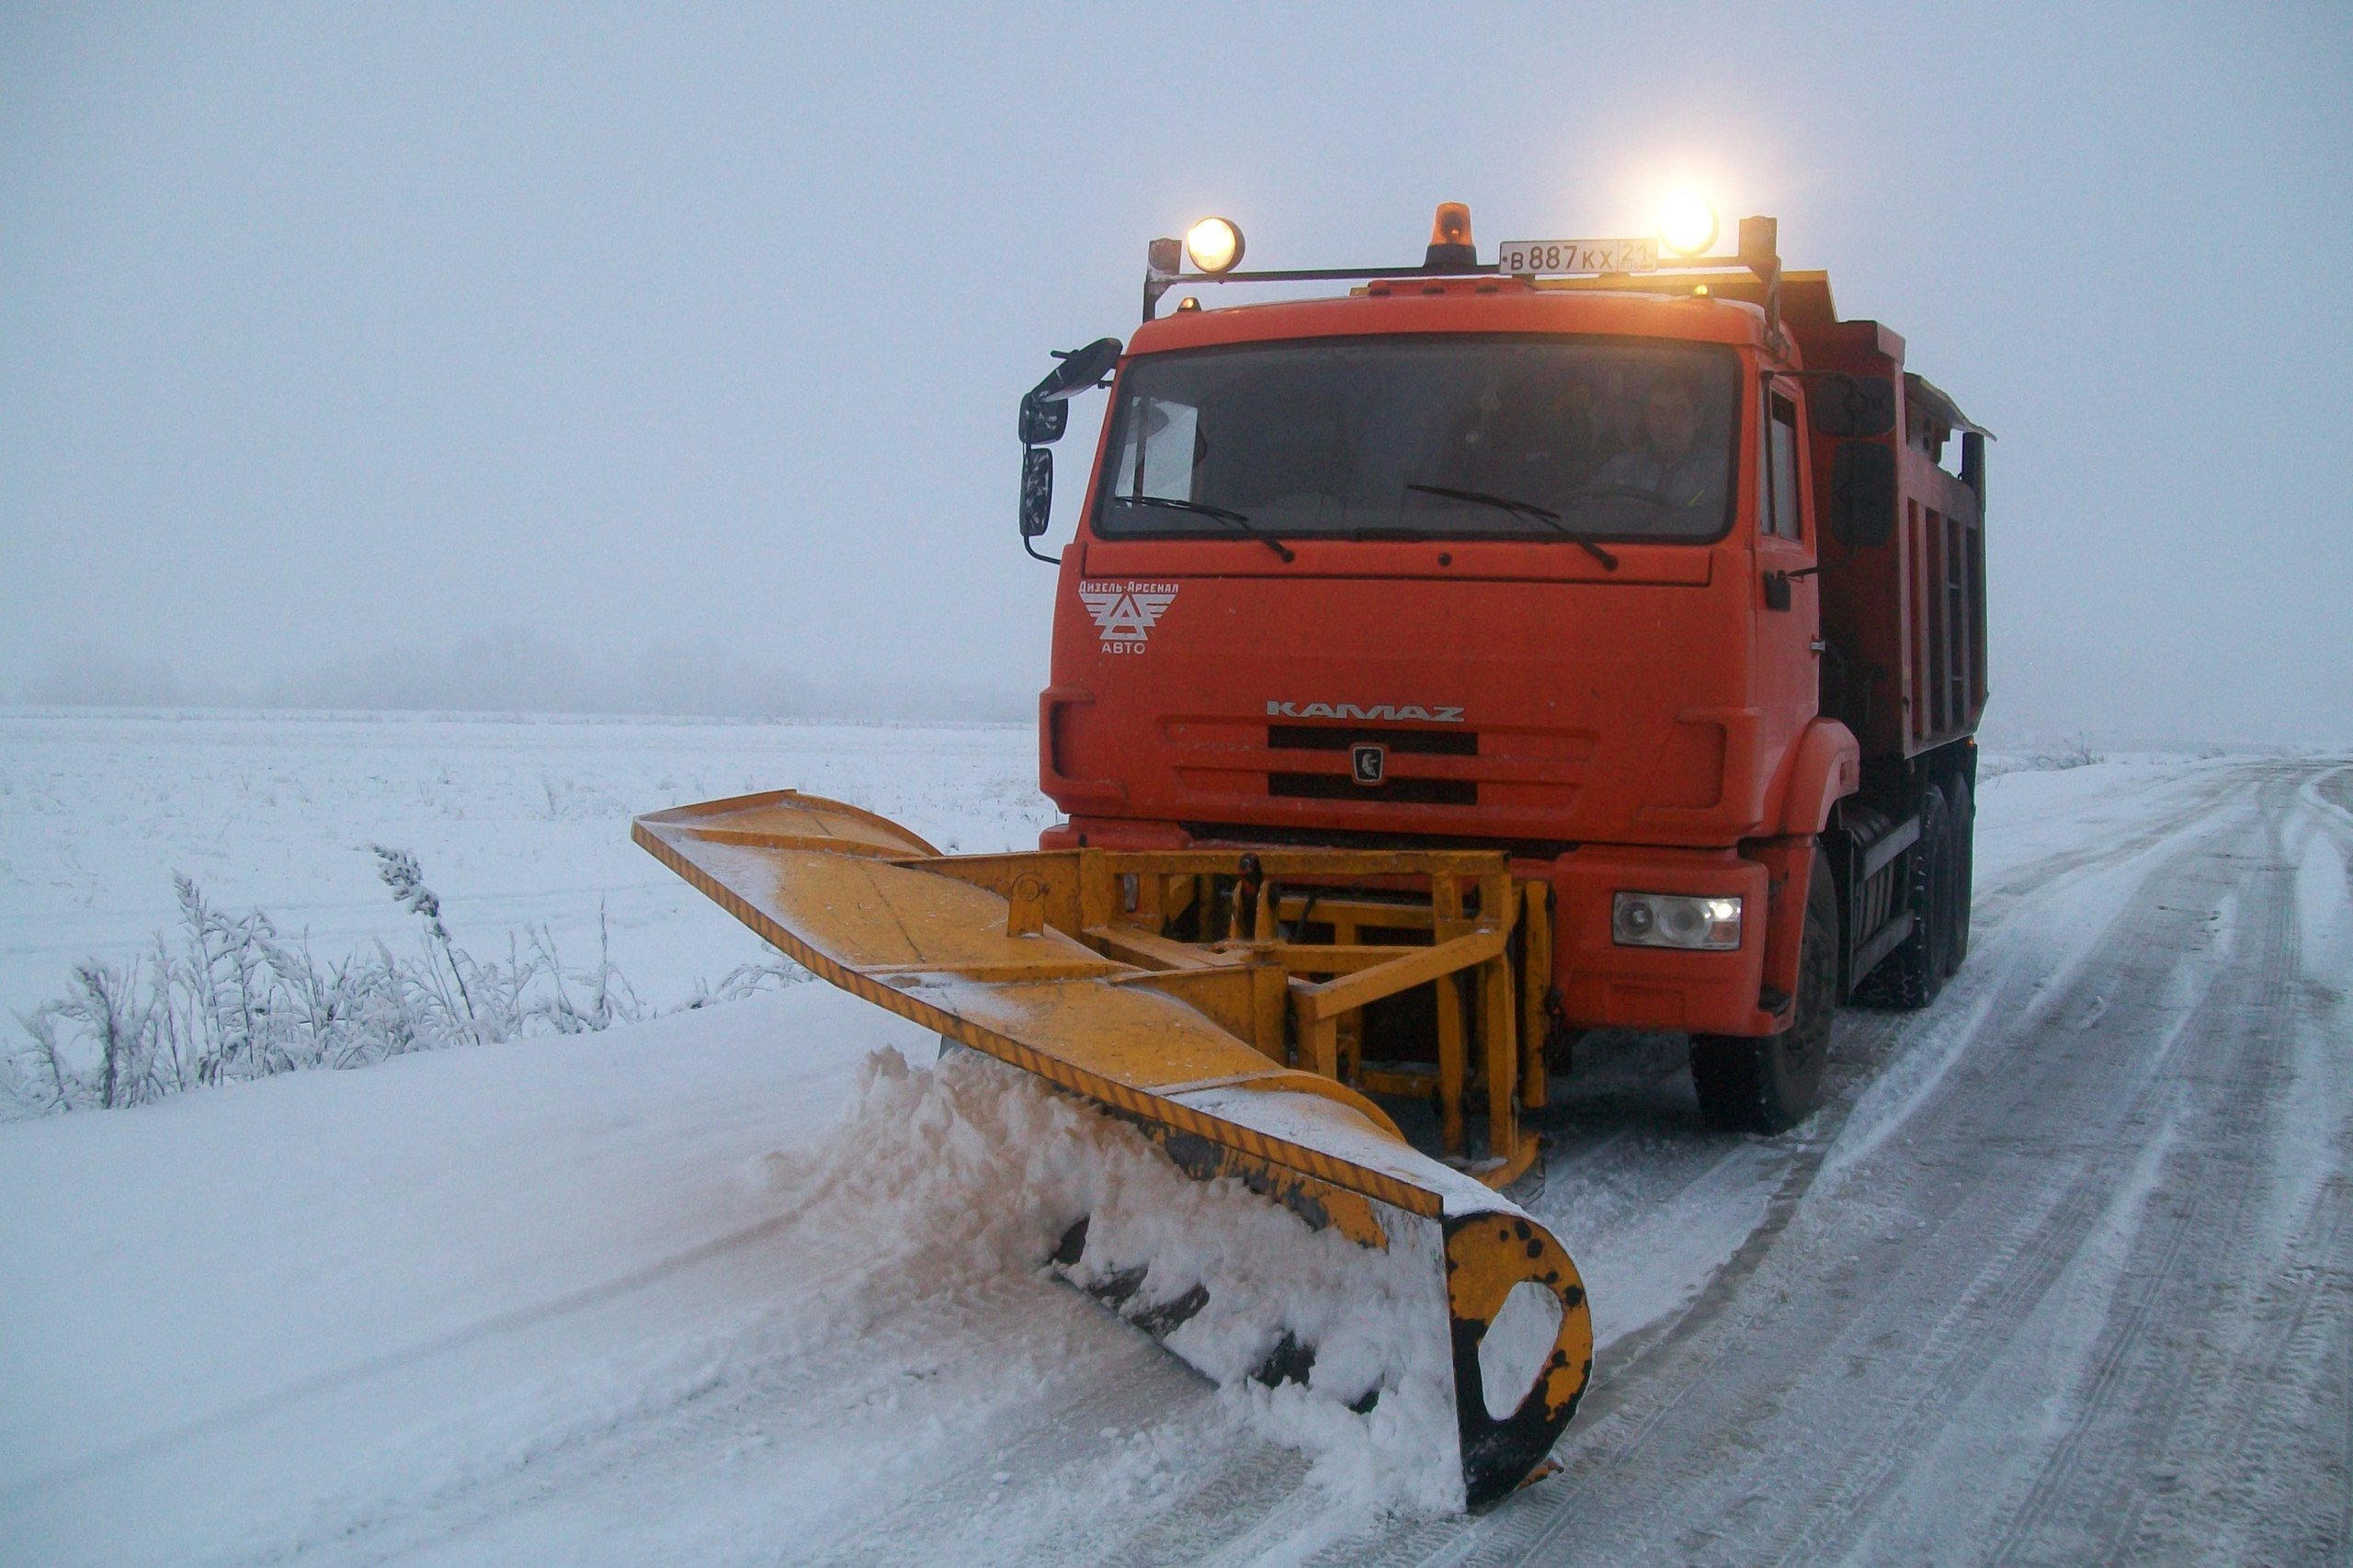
[(1771, 1085)]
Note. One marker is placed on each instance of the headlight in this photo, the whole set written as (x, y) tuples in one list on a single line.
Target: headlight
[(1674, 920)]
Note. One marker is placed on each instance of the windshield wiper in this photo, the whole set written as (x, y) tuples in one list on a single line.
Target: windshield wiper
[(1549, 518), (1220, 513)]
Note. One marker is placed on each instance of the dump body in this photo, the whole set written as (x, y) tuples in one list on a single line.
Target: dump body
[(1907, 617)]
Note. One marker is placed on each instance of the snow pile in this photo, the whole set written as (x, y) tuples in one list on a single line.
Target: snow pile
[(973, 1167), (450, 1302)]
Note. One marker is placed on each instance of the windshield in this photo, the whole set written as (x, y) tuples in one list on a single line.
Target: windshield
[(1443, 438)]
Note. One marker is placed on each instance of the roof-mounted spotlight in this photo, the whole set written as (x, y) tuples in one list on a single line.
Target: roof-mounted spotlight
[(1215, 244), (1687, 225)]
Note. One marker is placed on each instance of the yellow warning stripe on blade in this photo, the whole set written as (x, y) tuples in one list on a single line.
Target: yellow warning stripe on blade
[(816, 880)]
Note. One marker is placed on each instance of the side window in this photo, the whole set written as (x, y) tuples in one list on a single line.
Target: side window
[(1161, 448), (1781, 432)]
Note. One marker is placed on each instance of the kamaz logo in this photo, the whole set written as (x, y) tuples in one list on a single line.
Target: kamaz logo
[(1393, 712)]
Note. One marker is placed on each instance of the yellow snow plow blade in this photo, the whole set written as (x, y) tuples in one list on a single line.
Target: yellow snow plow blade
[(1172, 988)]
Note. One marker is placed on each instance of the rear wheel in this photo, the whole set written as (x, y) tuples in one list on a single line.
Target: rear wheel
[(1770, 1085), (1911, 976)]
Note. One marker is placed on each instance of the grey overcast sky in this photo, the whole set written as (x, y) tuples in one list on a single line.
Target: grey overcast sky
[(330, 329)]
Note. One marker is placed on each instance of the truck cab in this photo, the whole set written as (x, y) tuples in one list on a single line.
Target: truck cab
[(1601, 570)]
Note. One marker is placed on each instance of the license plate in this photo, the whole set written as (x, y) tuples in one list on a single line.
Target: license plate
[(1526, 259)]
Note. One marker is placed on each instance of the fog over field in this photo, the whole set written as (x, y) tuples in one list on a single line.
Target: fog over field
[(436, 357), (508, 670)]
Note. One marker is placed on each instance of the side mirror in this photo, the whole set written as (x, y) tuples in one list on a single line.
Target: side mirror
[(1862, 493), (1852, 405), (1080, 368), (1045, 414), (1037, 491), (1043, 423)]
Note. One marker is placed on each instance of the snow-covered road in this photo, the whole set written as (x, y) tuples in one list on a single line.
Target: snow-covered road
[(2064, 1274), (2061, 1272)]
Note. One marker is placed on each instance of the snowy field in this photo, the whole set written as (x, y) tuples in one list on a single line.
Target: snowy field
[(729, 1287), (516, 823)]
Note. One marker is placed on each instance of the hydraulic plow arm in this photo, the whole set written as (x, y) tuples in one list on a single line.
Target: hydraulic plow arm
[(1171, 987)]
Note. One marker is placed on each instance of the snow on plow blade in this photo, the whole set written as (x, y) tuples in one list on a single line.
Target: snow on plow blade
[(1062, 963)]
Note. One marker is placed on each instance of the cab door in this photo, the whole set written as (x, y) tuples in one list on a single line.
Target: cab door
[(1786, 602)]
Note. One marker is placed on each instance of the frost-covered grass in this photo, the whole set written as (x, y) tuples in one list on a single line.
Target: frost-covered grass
[(277, 946), (225, 997)]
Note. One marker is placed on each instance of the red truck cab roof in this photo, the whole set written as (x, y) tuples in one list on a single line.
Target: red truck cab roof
[(1463, 304)]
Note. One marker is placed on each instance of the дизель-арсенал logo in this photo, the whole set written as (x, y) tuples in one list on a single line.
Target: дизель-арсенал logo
[(1125, 613)]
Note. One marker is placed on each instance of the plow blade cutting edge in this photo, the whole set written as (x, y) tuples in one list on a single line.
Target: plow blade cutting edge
[(1057, 962)]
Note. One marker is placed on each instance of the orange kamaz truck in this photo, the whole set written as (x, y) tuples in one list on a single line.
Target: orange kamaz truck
[(1666, 582), (1487, 653)]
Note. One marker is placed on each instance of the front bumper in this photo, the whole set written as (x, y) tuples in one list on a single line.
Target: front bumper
[(1602, 984)]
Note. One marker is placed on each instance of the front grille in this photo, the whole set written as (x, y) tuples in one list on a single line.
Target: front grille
[(1420, 742), (1402, 791), (1246, 834)]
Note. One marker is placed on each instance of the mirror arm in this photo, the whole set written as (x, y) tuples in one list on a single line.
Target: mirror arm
[(1045, 415)]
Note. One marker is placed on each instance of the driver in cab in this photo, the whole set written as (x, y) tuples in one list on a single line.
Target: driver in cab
[(1669, 467)]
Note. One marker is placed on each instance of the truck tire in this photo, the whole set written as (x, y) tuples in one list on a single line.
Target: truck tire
[(1910, 977), (1964, 856), (1770, 1085)]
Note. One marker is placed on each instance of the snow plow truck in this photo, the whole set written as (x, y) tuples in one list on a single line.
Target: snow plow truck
[(1481, 654)]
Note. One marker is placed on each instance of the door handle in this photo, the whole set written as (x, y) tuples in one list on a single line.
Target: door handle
[(1777, 586)]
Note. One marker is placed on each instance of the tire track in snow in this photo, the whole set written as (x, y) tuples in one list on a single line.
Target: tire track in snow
[(2015, 1269), (1603, 1507), (2087, 1494), (2018, 1273), (2187, 1462)]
